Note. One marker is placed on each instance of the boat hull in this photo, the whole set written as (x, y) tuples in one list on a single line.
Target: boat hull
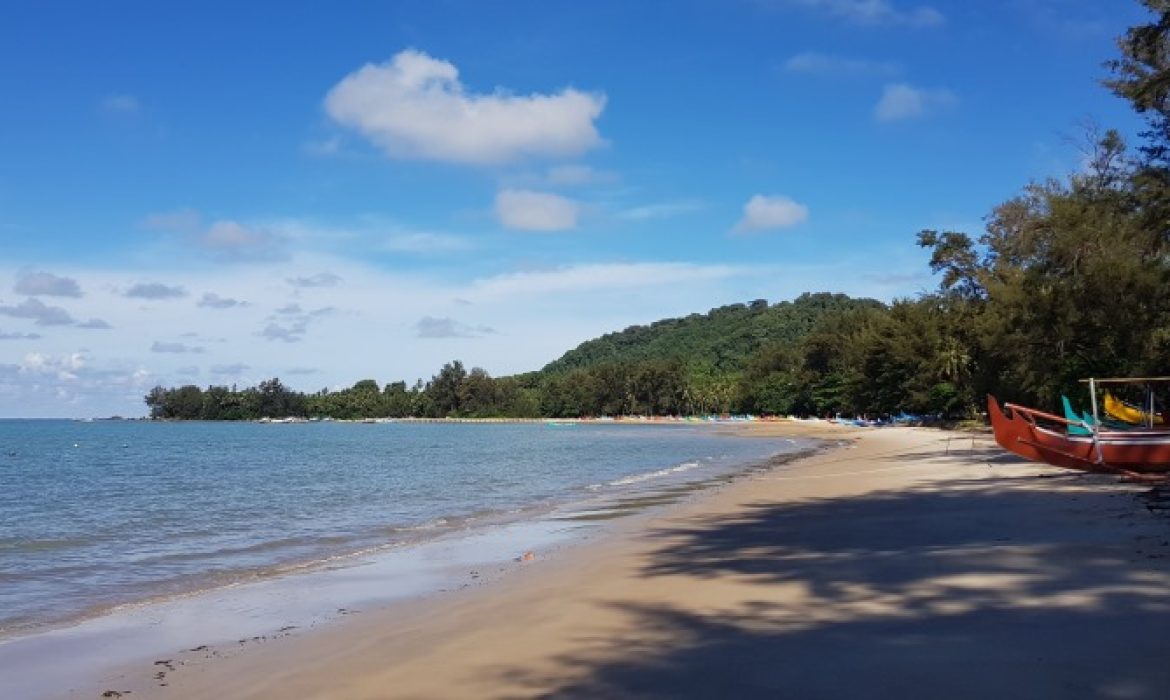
[(1042, 437)]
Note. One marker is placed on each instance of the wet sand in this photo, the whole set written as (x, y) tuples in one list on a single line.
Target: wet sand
[(911, 563)]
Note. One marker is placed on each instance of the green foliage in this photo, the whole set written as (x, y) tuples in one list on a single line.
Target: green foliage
[(725, 337), (1142, 76)]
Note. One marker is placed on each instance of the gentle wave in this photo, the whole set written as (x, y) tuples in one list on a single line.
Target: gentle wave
[(657, 474)]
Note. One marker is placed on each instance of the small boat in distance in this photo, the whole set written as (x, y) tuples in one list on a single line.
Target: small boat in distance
[(1085, 444)]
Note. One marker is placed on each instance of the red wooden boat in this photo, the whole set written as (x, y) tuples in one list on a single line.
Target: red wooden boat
[(1044, 437)]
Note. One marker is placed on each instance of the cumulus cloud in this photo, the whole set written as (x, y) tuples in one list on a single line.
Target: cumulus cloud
[(155, 291), (225, 240), (290, 332), (764, 212), (813, 63), (414, 106), (290, 322), (63, 367), (322, 279), (95, 324), (175, 348), (211, 300), (56, 385), (231, 241), (40, 313), (874, 12), (430, 327), (189, 371), (526, 210), (19, 336), (902, 101), (33, 284)]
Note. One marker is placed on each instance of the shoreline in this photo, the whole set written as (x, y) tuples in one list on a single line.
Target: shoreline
[(320, 593), (659, 582), (442, 509), (888, 568)]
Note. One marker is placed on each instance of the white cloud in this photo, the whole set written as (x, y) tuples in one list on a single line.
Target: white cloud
[(38, 312), (902, 101), (63, 367), (225, 240), (814, 63), (212, 300), (874, 12), (764, 212), (414, 106), (155, 290), (46, 284), (231, 241), (175, 348), (289, 333), (526, 210)]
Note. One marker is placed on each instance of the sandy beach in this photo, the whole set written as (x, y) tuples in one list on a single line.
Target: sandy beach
[(908, 563)]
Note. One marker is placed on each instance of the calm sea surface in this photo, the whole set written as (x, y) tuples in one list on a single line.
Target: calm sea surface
[(94, 515)]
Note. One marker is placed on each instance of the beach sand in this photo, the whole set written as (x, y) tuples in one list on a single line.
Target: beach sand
[(911, 563)]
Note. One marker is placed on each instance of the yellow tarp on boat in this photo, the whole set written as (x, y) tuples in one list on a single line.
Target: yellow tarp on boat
[(1122, 411)]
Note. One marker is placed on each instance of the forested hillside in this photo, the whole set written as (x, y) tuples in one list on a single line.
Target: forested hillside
[(725, 338)]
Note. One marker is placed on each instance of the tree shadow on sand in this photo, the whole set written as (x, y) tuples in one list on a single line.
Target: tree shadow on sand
[(970, 589)]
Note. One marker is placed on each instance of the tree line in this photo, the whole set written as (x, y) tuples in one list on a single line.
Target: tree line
[(1069, 279)]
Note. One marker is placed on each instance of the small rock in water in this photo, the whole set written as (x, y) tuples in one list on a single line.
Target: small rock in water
[(528, 556)]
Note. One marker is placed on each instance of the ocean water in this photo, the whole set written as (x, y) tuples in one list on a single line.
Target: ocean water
[(102, 514)]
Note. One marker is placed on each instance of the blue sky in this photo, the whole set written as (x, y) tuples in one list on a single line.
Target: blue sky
[(216, 193)]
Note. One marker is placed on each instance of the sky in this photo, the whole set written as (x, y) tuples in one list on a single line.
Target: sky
[(219, 193)]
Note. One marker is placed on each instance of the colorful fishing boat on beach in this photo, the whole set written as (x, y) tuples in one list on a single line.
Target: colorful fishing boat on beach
[(1087, 444)]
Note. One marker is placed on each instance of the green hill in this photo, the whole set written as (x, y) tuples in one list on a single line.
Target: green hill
[(725, 337)]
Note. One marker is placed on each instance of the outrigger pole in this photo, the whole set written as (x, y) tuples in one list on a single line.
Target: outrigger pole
[(1095, 428)]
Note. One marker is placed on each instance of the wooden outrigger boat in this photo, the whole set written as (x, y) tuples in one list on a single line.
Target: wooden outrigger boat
[(1087, 445)]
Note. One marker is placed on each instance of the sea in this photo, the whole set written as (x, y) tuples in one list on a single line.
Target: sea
[(97, 516)]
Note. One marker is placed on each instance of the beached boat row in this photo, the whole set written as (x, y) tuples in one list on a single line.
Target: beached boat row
[(1134, 443)]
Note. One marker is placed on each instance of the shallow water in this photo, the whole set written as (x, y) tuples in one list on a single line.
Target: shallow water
[(97, 515)]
